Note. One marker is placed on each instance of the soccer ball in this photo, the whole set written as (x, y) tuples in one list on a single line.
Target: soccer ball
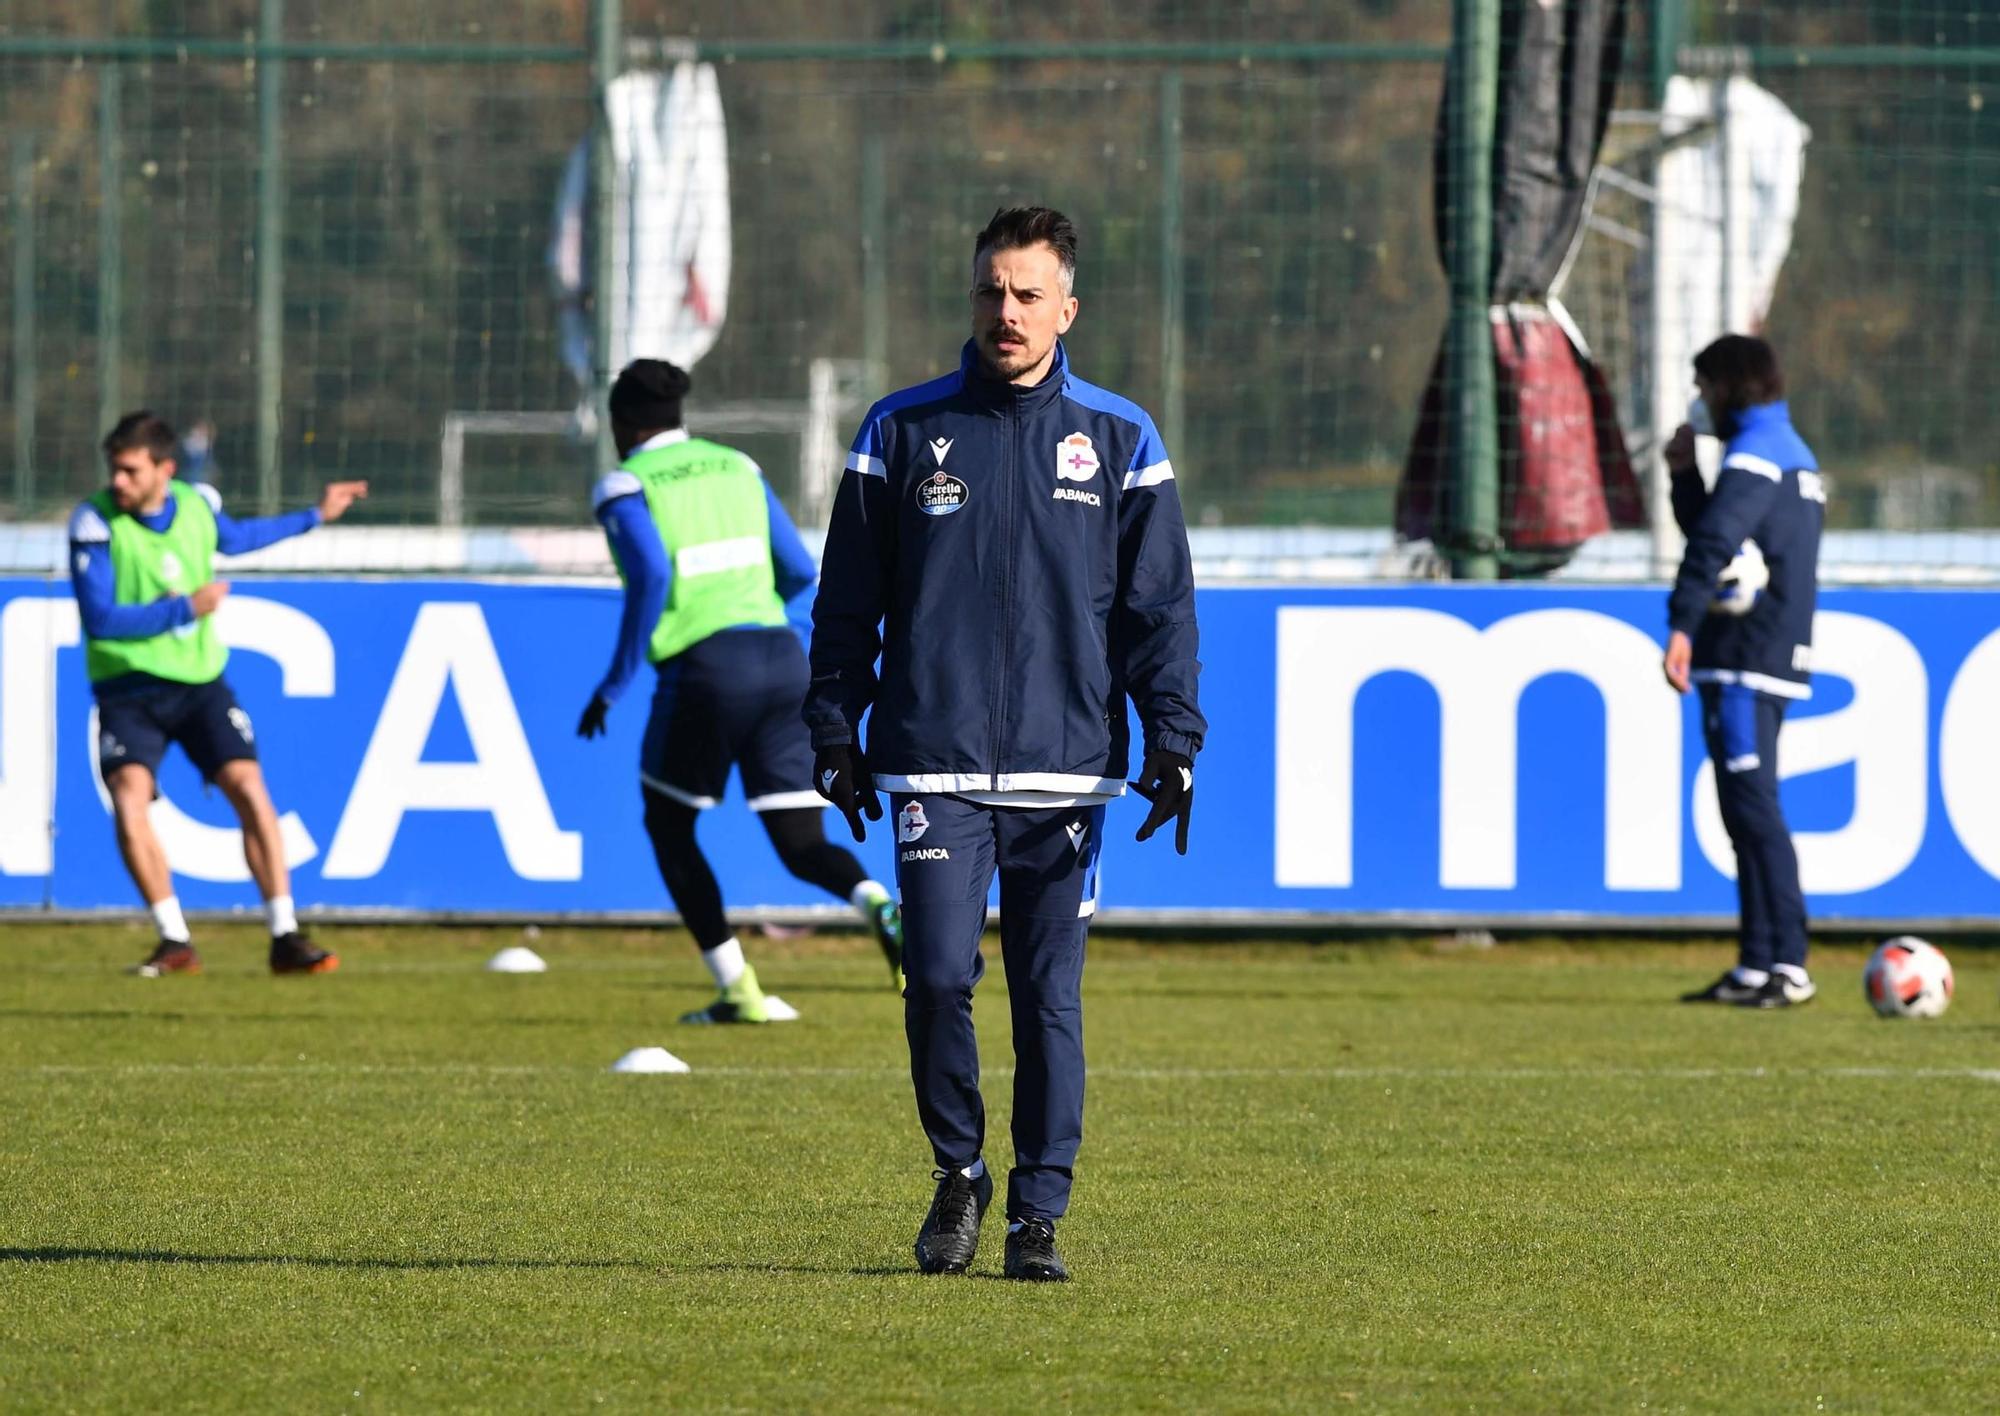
[(1737, 587), (1908, 978)]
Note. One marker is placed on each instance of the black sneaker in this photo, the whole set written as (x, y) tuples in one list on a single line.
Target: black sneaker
[(950, 1236), (1724, 990), (170, 957), (294, 954), (1779, 992), (1031, 1252)]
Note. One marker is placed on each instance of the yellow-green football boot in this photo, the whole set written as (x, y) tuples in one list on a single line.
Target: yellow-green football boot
[(742, 1002)]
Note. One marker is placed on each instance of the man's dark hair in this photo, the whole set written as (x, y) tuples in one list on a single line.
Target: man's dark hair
[(647, 396), (143, 429), (1013, 228), (1744, 372)]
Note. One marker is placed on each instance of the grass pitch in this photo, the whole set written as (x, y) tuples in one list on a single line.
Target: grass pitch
[(1313, 1178)]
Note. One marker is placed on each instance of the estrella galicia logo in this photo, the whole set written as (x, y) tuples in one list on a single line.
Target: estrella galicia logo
[(940, 494)]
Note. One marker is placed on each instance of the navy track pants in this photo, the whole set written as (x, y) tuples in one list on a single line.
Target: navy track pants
[(947, 850), (1741, 727)]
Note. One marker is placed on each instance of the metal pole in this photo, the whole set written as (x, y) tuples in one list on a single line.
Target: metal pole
[(874, 260), (1667, 383), (451, 473), (1173, 285), (270, 255), (607, 44), (22, 204), (110, 248), (1472, 103), (1667, 24), (1726, 159)]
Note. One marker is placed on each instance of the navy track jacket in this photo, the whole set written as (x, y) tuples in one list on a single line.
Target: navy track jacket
[(1017, 558), (1768, 491)]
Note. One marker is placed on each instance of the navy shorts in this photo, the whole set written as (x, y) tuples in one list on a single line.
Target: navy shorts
[(203, 718), (732, 700)]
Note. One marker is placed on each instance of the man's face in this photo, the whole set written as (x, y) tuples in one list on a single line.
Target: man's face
[(1019, 308), (138, 483)]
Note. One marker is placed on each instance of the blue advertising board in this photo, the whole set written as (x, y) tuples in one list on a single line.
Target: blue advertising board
[(1486, 754)]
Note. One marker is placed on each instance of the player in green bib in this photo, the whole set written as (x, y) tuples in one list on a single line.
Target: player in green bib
[(716, 581), (142, 558)]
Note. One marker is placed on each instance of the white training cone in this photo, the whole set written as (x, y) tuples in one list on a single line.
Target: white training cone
[(778, 1010), (650, 1059), (516, 959)]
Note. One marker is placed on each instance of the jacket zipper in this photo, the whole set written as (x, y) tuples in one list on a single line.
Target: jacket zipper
[(1006, 595)]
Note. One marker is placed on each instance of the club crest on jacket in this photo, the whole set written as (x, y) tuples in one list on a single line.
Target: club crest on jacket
[(1076, 459)]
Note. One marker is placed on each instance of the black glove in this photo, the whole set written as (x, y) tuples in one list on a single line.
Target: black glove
[(591, 724), (840, 777), (1167, 781)]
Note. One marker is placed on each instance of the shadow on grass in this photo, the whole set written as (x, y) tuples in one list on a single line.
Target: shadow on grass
[(153, 1015), (822, 1270), (57, 1254)]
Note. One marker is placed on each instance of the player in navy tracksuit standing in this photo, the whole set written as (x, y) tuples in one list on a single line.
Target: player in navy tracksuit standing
[(1748, 650), (1008, 539)]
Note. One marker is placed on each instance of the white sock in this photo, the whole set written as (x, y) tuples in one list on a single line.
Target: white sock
[(1793, 973), (283, 919), (1749, 978), (725, 962), (867, 895), (173, 924), (975, 1170)]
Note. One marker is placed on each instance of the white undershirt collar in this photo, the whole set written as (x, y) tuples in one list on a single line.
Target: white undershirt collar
[(660, 440)]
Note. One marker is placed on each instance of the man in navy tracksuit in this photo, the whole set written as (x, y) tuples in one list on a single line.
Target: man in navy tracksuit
[(1748, 648), (1008, 540)]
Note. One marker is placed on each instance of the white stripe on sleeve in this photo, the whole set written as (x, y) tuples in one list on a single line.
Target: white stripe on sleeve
[(1149, 476), (87, 526), (867, 466), (1750, 462), (612, 485)]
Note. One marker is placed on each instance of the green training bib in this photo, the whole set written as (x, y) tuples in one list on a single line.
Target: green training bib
[(151, 565), (709, 505)]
